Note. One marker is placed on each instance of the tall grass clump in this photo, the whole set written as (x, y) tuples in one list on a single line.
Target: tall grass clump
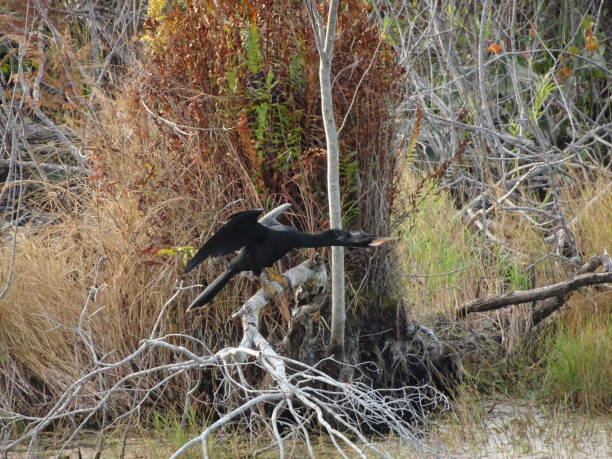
[(578, 351), (579, 362), (444, 263), (440, 267)]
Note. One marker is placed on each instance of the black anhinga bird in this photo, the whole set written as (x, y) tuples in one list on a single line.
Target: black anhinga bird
[(263, 243)]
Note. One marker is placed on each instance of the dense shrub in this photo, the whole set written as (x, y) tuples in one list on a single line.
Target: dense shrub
[(244, 77)]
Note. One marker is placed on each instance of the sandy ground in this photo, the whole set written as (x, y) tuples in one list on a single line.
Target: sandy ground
[(515, 429), (520, 429)]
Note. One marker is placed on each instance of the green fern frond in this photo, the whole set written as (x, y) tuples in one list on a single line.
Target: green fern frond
[(253, 50)]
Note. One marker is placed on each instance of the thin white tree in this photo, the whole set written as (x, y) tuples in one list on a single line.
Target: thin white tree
[(324, 38)]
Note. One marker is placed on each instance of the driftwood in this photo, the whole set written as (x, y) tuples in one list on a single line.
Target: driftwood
[(556, 293)]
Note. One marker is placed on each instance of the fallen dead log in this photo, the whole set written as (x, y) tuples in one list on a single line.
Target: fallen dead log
[(542, 310), (555, 292)]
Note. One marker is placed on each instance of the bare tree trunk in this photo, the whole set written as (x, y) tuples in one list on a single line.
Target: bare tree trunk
[(325, 44)]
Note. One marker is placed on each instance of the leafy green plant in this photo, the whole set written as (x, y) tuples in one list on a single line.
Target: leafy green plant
[(297, 79), (514, 276), (253, 49), (231, 76), (287, 123), (544, 87), (261, 120), (178, 430)]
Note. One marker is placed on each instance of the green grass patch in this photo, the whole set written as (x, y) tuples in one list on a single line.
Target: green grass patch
[(579, 365), (440, 264)]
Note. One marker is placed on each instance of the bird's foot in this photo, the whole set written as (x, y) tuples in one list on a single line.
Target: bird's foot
[(269, 290), (274, 276), (249, 275)]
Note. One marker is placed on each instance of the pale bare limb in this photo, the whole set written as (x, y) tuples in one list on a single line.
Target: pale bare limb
[(325, 45)]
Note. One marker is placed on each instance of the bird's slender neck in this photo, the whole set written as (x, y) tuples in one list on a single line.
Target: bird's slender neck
[(323, 239)]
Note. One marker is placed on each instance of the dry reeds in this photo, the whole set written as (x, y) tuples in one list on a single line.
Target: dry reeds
[(96, 269)]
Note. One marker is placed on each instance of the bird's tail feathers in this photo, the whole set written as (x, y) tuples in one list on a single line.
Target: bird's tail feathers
[(212, 289)]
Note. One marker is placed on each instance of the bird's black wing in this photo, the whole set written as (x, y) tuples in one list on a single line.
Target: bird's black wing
[(240, 229)]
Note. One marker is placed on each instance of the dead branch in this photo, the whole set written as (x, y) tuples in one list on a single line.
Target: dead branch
[(558, 290), (544, 309), (47, 167), (309, 271)]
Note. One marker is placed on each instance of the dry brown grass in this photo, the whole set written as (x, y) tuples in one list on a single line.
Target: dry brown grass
[(42, 303), (106, 238), (591, 213)]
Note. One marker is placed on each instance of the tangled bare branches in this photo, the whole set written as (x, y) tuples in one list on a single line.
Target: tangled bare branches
[(295, 400), (504, 79)]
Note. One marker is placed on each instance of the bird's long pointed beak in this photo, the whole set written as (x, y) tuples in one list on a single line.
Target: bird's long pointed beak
[(380, 240)]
